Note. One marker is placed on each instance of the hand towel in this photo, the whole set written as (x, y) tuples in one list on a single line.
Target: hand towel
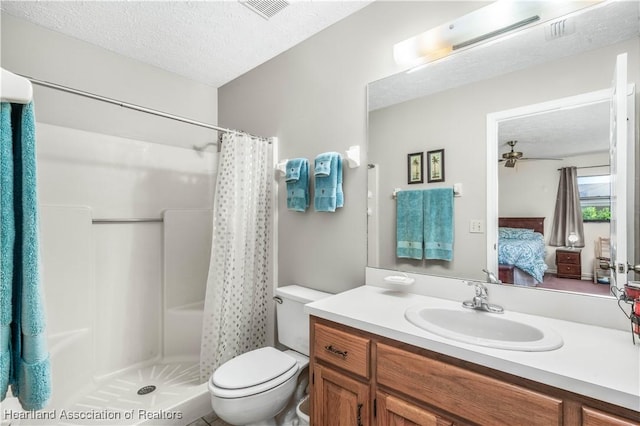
[(297, 178), (409, 224), (30, 376), (328, 182), (438, 224), (7, 236)]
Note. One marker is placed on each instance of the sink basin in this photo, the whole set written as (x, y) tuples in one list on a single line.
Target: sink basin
[(501, 331)]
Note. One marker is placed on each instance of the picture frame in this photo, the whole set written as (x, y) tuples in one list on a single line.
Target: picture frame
[(435, 166), (415, 168)]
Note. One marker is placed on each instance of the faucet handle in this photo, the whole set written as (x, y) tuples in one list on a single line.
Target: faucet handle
[(481, 289)]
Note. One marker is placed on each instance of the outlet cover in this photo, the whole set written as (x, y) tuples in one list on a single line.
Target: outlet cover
[(476, 226)]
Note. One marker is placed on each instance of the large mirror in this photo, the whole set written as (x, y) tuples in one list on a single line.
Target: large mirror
[(445, 105)]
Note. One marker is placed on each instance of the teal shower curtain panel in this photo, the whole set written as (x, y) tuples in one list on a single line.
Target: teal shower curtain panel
[(24, 359)]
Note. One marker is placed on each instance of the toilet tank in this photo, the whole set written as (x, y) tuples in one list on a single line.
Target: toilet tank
[(293, 322)]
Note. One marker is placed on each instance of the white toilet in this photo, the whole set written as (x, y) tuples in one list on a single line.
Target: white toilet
[(251, 389)]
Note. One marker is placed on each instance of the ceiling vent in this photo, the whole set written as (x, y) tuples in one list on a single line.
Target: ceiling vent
[(559, 29), (266, 8)]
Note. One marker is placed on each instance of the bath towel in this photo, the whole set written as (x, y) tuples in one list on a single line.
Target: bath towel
[(7, 235), (409, 224), (29, 375), (328, 182), (297, 178), (438, 224)]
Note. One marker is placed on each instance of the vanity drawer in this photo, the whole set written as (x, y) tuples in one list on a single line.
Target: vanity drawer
[(342, 349), (473, 396)]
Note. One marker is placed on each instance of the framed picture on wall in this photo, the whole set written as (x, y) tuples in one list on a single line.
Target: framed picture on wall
[(435, 166), (415, 168)]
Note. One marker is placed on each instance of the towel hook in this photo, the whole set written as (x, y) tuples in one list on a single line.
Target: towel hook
[(353, 156)]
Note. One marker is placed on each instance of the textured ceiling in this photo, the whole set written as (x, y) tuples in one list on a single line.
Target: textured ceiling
[(212, 42), (559, 133)]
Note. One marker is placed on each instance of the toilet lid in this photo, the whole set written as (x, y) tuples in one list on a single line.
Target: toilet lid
[(253, 368)]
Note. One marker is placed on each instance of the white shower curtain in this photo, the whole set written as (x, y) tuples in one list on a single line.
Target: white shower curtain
[(235, 309)]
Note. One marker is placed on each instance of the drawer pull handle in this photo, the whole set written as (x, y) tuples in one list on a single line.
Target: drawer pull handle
[(359, 419), (333, 350)]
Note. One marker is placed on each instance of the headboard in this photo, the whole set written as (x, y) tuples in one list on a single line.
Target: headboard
[(535, 223)]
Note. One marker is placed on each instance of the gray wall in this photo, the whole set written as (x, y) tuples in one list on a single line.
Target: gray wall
[(313, 97), (43, 54)]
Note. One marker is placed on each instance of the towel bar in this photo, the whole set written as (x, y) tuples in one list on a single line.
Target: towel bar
[(127, 220)]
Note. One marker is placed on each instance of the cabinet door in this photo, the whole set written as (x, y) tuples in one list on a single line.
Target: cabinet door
[(392, 411), (339, 400)]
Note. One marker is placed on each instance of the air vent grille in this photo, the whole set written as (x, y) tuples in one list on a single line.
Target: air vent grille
[(266, 8), (559, 29)]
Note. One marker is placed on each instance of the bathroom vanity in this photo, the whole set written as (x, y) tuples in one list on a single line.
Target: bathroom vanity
[(369, 366)]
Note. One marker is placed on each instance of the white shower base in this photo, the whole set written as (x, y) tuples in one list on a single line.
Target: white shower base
[(178, 399)]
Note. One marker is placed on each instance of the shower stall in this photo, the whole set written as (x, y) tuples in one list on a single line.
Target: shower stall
[(125, 244)]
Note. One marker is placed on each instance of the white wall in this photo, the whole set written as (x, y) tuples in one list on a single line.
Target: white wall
[(313, 97)]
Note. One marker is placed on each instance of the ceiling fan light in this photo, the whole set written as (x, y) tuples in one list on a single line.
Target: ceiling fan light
[(511, 162)]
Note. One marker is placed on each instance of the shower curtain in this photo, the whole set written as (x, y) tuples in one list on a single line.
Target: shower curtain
[(235, 309)]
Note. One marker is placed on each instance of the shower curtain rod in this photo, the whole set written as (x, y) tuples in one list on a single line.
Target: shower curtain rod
[(127, 105)]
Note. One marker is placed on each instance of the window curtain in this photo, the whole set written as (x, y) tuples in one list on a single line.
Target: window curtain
[(567, 218), (238, 285)]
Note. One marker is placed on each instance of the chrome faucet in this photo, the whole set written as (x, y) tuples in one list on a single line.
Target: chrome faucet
[(480, 300), (491, 277)]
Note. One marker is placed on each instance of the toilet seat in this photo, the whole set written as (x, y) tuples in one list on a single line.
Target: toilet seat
[(253, 372)]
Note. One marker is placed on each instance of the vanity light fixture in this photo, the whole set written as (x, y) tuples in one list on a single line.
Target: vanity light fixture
[(499, 18)]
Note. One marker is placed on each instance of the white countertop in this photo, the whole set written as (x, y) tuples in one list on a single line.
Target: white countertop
[(598, 362)]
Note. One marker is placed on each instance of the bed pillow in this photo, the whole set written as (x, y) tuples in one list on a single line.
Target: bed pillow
[(515, 233)]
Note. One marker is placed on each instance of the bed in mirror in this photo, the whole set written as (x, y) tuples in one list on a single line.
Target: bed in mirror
[(445, 106)]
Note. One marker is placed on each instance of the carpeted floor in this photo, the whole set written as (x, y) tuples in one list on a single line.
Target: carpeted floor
[(580, 286)]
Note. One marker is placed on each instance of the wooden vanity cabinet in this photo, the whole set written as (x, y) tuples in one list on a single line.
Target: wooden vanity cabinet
[(467, 394), (340, 373), (363, 379)]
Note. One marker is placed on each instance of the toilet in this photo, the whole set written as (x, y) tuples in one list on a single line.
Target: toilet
[(252, 388)]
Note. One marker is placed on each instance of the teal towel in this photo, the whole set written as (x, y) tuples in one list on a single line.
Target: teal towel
[(328, 182), (7, 237), (29, 370), (438, 224), (409, 224), (297, 178)]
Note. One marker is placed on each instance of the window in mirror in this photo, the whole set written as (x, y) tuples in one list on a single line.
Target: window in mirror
[(595, 198)]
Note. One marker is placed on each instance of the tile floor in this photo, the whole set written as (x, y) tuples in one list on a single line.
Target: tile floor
[(209, 420)]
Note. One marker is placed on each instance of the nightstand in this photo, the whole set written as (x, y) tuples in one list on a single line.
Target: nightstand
[(568, 263)]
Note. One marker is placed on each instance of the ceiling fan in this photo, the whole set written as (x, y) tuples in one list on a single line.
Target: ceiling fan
[(510, 158)]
